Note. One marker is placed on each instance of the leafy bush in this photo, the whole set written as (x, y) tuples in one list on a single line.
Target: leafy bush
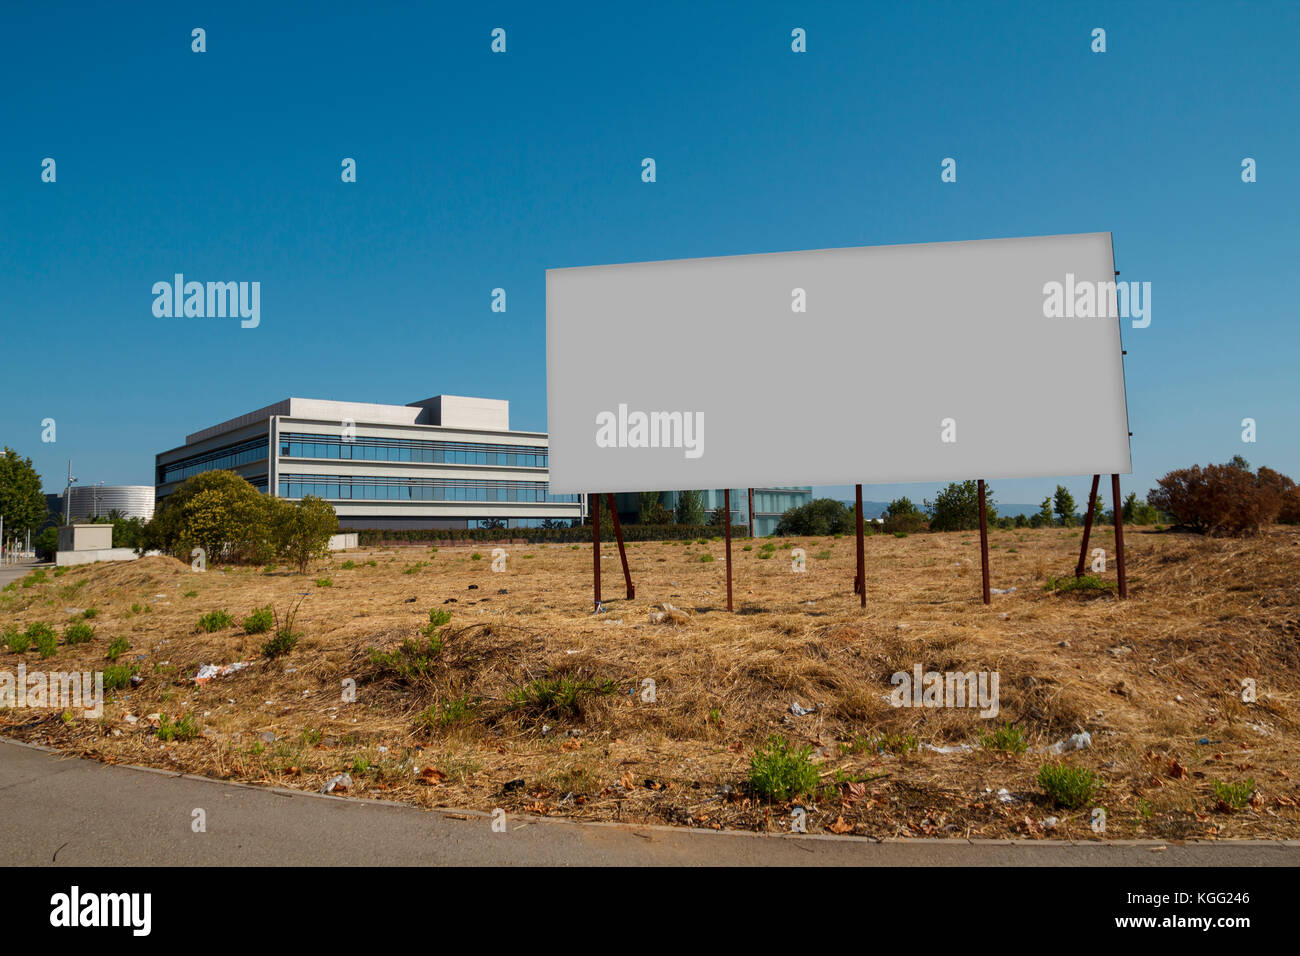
[(260, 621), (1221, 499), (185, 728), (706, 558), (118, 676), (559, 696), (301, 530), (903, 516), (779, 772), (116, 648), (324, 582), (822, 516), (1069, 787), (78, 633), (957, 507), (43, 636), (16, 640), (1006, 738), (215, 621), (1234, 796), (285, 639), (1086, 582)]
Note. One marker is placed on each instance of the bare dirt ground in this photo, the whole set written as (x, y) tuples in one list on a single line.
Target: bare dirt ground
[(1156, 681)]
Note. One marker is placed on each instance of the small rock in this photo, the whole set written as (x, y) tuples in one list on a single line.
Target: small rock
[(1062, 643), (502, 591), (1121, 650), (409, 600), (472, 587), (449, 601), (513, 785), (266, 737)]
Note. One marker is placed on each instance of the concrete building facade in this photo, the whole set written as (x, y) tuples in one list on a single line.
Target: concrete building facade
[(445, 462)]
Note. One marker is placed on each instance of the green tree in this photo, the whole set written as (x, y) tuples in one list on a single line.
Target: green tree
[(957, 507), (690, 507), (302, 529), (1044, 515), (1239, 462), (651, 510), (1137, 512), (818, 517), (1063, 504), (22, 503), (903, 516), (217, 511)]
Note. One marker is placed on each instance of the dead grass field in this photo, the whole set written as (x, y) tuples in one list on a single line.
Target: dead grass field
[(1156, 681)]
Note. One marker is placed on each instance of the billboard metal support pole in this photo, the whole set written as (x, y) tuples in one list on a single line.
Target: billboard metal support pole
[(726, 506), (860, 582), (1087, 526), (751, 513), (984, 543), (622, 552), (593, 501), (1119, 536)]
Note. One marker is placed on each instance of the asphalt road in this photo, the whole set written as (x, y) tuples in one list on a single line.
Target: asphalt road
[(70, 811)]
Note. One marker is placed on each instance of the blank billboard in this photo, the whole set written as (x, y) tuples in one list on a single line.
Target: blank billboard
[(873, 365)]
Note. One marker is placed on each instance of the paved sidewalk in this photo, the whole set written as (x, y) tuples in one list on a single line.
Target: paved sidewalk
[(62, 810)]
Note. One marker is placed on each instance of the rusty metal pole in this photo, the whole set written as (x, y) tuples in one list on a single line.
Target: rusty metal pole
[(1087, 526), (1119, 536), (726, 506), (860, 582), (984, 543), (594, 503), (622, 552), (751, 514)]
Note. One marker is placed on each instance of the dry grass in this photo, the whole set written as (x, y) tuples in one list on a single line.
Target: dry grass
[(1148, 678)]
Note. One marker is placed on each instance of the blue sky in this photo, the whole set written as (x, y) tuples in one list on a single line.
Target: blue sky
[(478, 171)]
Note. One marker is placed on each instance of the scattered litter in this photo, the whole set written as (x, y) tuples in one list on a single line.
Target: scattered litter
[(1076, 742), (130, 718), (1120, 650), (266, 737), (948, 748), (410, 600), (209, 671), (502, 591), (669, 615), (800, 711), (449, 601), (340, 781), (610, 620), (600, 609), (1049, 823), (1006, 796), (900, 627), (1062, 643), (1002, 590), (512, 785), (72, 610), (546, 729), (136, 680)]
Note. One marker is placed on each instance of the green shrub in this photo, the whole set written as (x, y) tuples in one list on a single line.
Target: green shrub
[(116, 648), (1069, 787), (324, 582), (1087, 582), (284, 640), (706, 558), (43, 636), (348, 565), (118, 676), (447, 712), (438, 617), (90, 613), (779, 772), (476, 556), (1235, 796), (185, 728), (559, 696), (412, 662), (1005, 738), (17, 641), (215, 621), (78, 633), (260, 621)]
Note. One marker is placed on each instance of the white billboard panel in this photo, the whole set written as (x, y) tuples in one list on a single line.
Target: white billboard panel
[(995, 358)]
